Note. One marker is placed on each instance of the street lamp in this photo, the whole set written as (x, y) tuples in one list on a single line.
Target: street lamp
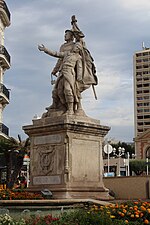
[(147, 166), (121, 152), (127, 164), (108, 149)]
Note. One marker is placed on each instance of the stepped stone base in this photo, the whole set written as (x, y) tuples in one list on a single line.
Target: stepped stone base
[(66, 156)]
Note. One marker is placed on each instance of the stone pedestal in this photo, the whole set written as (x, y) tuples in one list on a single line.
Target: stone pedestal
[(66, 156)]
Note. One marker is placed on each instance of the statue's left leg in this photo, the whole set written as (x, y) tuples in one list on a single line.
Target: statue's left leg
[(69, 98)]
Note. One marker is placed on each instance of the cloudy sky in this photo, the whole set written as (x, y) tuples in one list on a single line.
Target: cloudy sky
[(114, 30)]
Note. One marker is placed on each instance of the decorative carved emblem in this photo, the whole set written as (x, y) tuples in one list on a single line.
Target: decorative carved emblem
[(46, 159)]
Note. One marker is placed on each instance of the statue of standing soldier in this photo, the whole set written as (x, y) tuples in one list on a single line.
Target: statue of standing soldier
[(75, 71)]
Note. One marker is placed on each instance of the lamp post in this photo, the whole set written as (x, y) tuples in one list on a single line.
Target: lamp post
[(127, 164), (121, 152), (108, 149), (128, 170), (27, 163), (147, 166)]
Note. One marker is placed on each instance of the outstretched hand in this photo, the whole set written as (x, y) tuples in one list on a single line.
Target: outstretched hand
[(41, 47)]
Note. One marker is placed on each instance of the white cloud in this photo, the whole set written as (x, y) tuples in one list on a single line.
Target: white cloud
[(114, 31), (135, 5)]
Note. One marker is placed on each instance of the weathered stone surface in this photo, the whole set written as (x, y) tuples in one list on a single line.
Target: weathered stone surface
[(66, 145), (66, 156), (40, 180), (75, 71)]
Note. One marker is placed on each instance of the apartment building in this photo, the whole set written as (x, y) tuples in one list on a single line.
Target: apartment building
[(4, 65), (142, 102)]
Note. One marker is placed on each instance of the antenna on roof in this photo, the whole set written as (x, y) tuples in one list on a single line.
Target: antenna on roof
[(143, 46)]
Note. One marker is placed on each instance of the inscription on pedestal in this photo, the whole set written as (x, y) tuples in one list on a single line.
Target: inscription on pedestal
[(47, 139), (46, 180)]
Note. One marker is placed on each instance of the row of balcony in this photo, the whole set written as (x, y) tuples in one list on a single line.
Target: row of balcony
[(4, 93), (142, 61), (4, 13), (5, 63), (142, 91), (4, 57), (142, 83), (142, 54), (4, 129), (4, 99)]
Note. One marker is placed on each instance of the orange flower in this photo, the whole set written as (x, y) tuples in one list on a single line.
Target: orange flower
[(135, 203), (135, 207), (126, 221), (148, 210), (132, 216), (141, 214), (116, 206), (146, 221), (124, 210), (143, 208), (137, 212)]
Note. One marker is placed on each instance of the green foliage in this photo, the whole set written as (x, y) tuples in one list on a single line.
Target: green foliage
[(131, 213), (8, 220), (13, 152), (138, 166)]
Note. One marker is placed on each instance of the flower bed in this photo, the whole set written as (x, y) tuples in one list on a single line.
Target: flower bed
[(131, 213), (6, 194)]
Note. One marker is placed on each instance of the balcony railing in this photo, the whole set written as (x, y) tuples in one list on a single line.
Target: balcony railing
[(4, 129), (5, 53), (3, 5), (4, 90)]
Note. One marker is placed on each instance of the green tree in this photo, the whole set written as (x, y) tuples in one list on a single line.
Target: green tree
[(138, 166), (13, 151)]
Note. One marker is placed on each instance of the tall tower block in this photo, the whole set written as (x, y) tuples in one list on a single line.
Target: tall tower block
[(142, 102), (4, 65)]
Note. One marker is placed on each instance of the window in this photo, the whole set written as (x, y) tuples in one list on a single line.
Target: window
[(140, 110), (146, 78), (139, 73), (138, 61), (145, 72), (139, 79), (139, 92), (145, 53), (145, 66), (146, 97), (146, 85), (147, 123), (146, 116), (146, 91), (145, 60), (139, 85), (138, 67), (146, 104), (140, 124), (138, 54), (146, 110), (140, 130), (140, 117), (139, 98), (139, 104)]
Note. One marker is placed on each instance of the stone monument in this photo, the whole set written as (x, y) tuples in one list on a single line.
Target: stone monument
[(66, 145)]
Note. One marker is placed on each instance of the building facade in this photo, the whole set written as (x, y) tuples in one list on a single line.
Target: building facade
[(4, 65), (142, 102)]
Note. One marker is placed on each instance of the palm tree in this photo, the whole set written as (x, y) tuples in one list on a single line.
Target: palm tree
[(21, 149), (16, 148)]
